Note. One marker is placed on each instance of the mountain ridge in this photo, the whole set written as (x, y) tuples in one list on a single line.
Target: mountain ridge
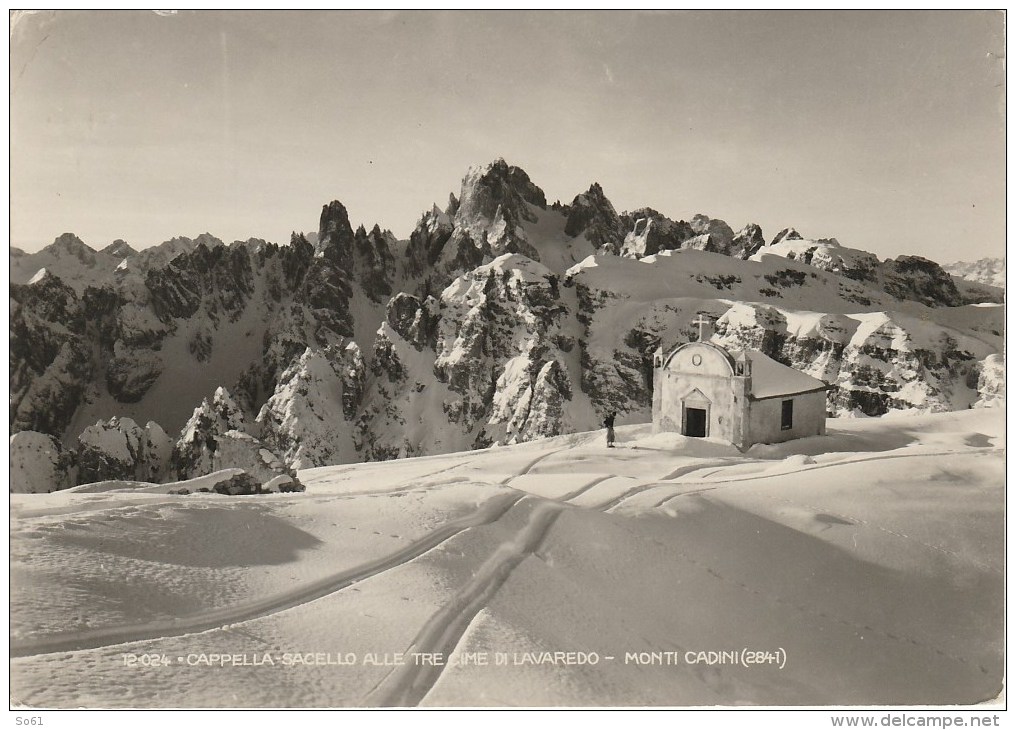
[(501, 319)]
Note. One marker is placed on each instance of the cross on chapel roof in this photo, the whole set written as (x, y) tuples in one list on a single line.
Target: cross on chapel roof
[(701, 321)]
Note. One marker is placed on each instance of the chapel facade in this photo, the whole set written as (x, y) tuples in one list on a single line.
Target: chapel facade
[(745, 397)]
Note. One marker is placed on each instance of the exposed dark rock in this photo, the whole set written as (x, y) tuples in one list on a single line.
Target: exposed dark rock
[(335, 236), (119, 449), (69, 244), (922, 280), (374, 264), (51, 300), (238, 484), (427, 241), (719, 235), (747, 242), (200, 344), (130, 374), (326, 290), (453, 205), (493, 204), (790, 234), (46, 401), (650, 232), (415, 321), (592, 214)]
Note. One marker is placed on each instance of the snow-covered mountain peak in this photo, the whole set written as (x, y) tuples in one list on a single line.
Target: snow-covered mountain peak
[(67, 244), (990, 271), (492, 204), (592, 214), (69, 258), (119, 249), (790, 234), (207, 240), (508, 269), (498, 182), (720, 235), (824, 253)]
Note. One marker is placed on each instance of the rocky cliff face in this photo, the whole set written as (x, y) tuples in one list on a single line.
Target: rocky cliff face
[(216, 437), (499, 320), (711, 235), (650, 232), (592, 215), (910, 278), (120, 449), (308, 420), (876, 361), (119, 249), (39, 464), (426, 244), (50, 358), (921, 280), (493, 206), (747, 242), (500, 343), (486, 220), (991, 383)]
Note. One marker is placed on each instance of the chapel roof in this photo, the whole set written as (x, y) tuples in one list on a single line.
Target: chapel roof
[(769, 378)]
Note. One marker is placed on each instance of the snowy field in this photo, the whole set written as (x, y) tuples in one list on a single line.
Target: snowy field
[(863, 567)]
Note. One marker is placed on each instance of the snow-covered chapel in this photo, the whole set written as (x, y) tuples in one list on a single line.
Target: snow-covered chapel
[(701, 389)]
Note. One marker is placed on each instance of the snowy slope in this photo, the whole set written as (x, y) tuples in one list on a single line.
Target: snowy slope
[(821, 551), (557, 250), (826, 254), (879, 352)]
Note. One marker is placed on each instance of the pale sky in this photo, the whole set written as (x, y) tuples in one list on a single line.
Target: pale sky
[(882, 129)]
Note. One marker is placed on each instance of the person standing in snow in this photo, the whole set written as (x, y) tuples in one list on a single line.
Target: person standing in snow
[(609, 423)]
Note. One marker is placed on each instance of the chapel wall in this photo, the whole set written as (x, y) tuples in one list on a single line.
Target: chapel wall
[(765, 417), (707, 369), (673, 388)]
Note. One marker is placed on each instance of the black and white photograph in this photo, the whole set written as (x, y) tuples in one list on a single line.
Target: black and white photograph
[(507, 359)]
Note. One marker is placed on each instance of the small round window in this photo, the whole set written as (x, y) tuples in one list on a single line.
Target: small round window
[(696, 360)]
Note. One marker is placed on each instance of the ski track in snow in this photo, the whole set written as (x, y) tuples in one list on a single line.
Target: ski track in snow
[(529, 467), (692, 468), (726, 483), (490, 512), (102, 637), (585, 488), (845, 462), (712, 484), (408, 685), (639, 488)]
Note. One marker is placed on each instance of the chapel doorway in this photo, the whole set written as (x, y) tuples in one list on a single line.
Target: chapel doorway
[(695, 420)]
